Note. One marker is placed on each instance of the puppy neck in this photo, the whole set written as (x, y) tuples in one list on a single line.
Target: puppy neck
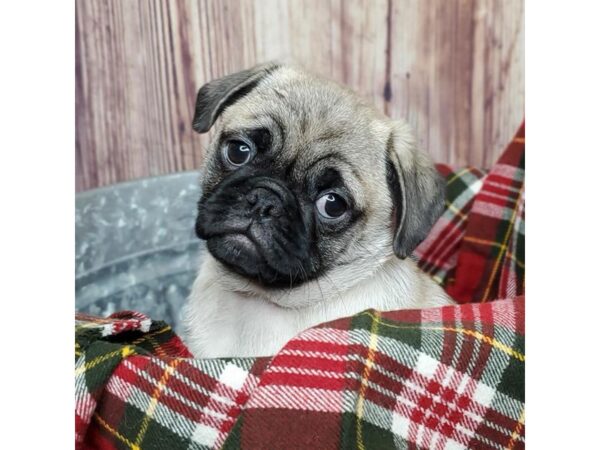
[(390, 284), (226, 323)]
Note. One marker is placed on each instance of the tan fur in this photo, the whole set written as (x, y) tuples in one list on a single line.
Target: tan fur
[(228, 315)]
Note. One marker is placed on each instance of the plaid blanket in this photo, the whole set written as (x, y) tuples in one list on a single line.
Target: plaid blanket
[(441, 378)]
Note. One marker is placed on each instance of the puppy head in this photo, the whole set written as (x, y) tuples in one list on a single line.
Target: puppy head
[(307, 190)]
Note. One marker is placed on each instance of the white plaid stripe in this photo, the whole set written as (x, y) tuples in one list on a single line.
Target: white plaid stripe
[(213, 368), (85, 404), (427, 368), (312, 354), (439, 260), (294, 397), (497, 360), (508, 284), (215, 413), (461, 385), (407, 355), (446, 236), (327, 335), (394, 349), (478, 344), (508, 171), (231, 381), (163, 415), (507, 406)]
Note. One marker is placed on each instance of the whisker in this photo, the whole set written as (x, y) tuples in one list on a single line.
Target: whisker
[(335, 287), (321, 290)]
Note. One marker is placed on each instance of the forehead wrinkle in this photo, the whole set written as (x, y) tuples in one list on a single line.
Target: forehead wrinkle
[(304, 170), (347, 162), (304, 121), (266, 120), (311, 163), (279, 124)]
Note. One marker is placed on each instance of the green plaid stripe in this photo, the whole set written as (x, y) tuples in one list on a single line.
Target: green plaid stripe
[(392, 388), (437, 256)]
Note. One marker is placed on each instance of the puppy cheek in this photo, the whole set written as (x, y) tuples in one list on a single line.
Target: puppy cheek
[(199, 228), (201, 219)]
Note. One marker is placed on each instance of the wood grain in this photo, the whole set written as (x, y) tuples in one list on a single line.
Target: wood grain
[(453, 68)]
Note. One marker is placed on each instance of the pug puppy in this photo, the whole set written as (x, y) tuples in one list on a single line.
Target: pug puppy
[(311, 203)]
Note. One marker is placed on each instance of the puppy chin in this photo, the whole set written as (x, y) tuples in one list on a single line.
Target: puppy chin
[(237, 252), (242, 256)]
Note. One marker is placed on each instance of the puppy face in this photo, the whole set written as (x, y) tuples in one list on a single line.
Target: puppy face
[(306, 189)]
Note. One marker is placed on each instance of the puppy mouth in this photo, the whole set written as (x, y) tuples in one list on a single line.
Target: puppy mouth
[(235, 250), (241, 254), (240, 244)]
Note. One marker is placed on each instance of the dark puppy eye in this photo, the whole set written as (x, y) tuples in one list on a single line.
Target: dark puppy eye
[(331, 205), (238, 153)]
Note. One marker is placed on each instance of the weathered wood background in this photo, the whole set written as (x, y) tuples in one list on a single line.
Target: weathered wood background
[(453, 68)]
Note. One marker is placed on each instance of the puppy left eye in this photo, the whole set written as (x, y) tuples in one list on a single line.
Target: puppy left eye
[(331, 205), (238, 153)]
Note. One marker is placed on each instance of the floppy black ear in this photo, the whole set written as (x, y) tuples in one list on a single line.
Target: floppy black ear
[(218, 94), (417, 189)]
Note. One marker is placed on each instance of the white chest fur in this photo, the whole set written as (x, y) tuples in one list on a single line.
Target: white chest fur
[(225, 323)]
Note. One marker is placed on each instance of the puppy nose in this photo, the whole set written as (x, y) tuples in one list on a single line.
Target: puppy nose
[(264, 203)]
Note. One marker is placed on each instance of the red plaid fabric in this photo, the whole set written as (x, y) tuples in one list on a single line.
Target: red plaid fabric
[(477, 248), (440, 378), (132, 370), (437, 379), (97, 357)]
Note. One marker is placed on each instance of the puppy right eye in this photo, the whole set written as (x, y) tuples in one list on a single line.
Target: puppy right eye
[(238, 153), (331, 206)]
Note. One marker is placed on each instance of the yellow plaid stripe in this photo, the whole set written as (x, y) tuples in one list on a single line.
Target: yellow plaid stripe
[(517, 431), (473, 333), (115, 433), (122, 352), (454, 210), (485, 338), (458, 175), (148, 336), (364, 381), (171, 367), (503, 247)]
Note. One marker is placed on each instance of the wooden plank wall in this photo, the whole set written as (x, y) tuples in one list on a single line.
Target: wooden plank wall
[(453, 68)]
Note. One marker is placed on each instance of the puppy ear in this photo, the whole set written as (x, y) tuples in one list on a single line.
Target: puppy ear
[(417, 189), (216, 95)]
